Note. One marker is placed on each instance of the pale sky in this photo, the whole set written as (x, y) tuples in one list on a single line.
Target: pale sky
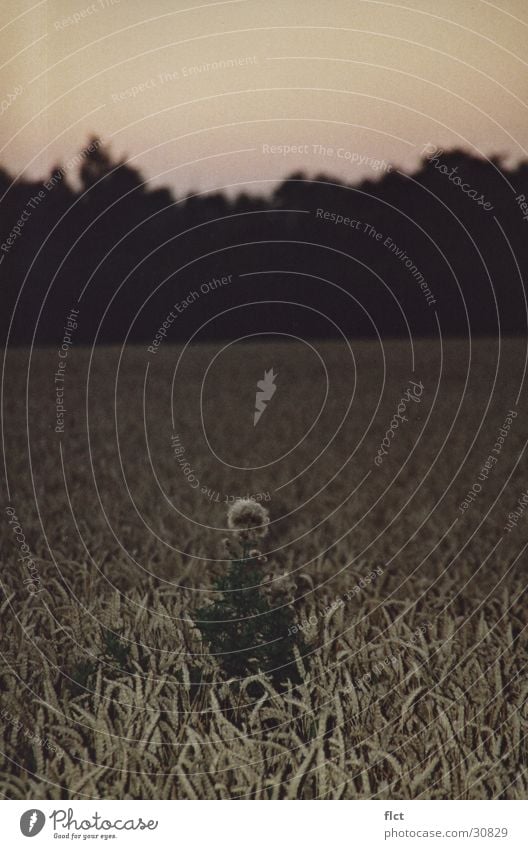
[(372, 80)]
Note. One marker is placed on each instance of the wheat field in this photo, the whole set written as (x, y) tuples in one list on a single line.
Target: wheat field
[(413, 607)]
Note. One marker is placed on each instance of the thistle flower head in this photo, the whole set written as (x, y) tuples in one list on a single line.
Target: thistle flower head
[(248, 519)]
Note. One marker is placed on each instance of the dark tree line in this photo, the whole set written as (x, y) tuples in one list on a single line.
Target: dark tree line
[(133, 252)]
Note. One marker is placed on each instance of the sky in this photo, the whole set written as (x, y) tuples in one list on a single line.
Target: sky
[(238, 94)]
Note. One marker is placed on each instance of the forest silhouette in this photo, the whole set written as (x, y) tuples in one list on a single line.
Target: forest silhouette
[(415, 253)]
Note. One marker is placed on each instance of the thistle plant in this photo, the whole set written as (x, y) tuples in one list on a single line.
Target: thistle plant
[(243, 631)]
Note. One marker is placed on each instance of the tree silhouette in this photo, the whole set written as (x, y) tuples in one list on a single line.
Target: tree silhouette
[(105, 231)]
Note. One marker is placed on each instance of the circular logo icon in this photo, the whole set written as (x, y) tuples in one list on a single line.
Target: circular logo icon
[(32, 822)]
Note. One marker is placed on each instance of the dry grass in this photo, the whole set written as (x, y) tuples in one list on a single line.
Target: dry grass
[(443, 713)]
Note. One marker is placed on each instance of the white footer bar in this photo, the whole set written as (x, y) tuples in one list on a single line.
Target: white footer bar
[(266, 825)]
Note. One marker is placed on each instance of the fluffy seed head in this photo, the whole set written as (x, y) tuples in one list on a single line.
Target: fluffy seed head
[(248, 519)]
